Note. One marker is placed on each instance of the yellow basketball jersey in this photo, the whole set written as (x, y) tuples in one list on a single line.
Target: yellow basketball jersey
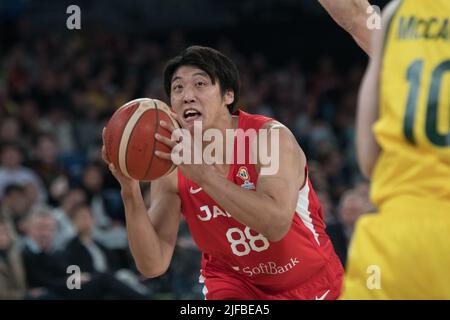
[(413, 128)]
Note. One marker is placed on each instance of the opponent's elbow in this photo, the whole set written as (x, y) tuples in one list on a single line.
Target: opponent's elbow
[(367, 164), (367, 169)]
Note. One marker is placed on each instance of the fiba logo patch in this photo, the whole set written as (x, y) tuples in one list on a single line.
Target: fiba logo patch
[(243, 174)]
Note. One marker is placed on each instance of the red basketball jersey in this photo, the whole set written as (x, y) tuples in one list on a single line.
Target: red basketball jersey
[(230, 246)]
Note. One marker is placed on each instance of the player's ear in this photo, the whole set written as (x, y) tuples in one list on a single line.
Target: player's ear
[(229, 97)]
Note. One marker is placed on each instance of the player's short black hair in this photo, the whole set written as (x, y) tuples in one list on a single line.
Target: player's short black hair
[(214, 63)]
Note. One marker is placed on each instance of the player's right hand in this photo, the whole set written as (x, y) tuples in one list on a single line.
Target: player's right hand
[(126, 183)]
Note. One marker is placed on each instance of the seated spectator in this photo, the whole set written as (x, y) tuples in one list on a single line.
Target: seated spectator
[(185, 266), (64, 227), (12, 171), (83, 250), (45, 160), (108, 212), (14, 207), (48, 269), (12, 274), (90, 255), (363, 188), (352, 205), (10, 130), (327, 207), (177, 282)]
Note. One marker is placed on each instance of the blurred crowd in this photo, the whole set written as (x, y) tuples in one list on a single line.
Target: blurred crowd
[(60, 206)]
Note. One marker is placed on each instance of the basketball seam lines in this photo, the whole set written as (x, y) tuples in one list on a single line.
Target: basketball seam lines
[(131, 134), (155, 141), (119, 162), (126, 143)]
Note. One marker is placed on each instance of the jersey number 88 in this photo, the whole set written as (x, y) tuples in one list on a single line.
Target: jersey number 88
[(243, 242)]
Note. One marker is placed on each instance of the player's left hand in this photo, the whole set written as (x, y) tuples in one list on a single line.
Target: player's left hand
[(195, 172)]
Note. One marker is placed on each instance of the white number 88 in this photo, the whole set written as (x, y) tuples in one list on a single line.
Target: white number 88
[(242, 241)]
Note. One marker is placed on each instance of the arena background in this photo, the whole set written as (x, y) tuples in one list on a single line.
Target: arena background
[(58, 87)]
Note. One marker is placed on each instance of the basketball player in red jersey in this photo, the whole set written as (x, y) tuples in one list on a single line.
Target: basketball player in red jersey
[(262, 236)]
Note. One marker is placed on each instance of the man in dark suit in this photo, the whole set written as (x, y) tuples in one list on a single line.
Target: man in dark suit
[(49, 269), (90, 255), (82, 250)]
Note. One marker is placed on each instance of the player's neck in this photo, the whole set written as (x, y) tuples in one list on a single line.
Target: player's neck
[(227, 122)]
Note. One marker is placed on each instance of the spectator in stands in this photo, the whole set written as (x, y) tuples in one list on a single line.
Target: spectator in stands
[(30, 117), (107, 210), (58, 125), (65, 230), (82, 249), (14, 207), (90, 255), (186, 265), (10, 130), (351, 207), (363, 189), (327, 207), (45, 161), (12, 274), (47, 269), (12, 171)]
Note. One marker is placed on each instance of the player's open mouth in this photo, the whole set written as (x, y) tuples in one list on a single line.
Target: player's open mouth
[(191, 115)]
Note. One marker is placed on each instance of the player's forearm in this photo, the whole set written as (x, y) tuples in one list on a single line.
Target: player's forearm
[(258, 211), (351, 15), (367, 115), (143, 240), (368, 149)]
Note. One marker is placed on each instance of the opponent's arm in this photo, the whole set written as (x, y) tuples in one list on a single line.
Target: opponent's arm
[(352, 16), (368, 101)]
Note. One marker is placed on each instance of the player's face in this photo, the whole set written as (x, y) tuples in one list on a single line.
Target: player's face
[(195, 98)]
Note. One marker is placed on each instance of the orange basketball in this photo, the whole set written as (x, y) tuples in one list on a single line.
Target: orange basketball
[(130, 139)]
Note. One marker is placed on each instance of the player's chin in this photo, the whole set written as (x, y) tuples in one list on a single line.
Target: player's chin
[(189, 124)]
